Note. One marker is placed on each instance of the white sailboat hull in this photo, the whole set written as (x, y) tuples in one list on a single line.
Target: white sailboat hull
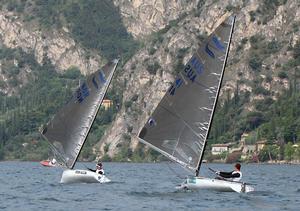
[(82, 176), (215, 184)]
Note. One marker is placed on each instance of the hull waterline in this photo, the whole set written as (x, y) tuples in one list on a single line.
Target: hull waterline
[(195, 183), (82, 176)]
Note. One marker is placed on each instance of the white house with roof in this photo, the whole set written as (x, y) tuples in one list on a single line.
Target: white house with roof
[(217, 149)]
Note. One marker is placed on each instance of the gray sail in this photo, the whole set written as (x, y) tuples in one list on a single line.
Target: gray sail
[(67, 130), (179, 126)]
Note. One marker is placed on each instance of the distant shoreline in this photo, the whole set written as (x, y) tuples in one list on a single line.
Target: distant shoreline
[(283, 162)]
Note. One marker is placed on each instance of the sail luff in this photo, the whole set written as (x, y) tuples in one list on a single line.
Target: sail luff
[(185, 123), (178, 126), (95, 115), (55, 152), (216, 100), (67, 131)]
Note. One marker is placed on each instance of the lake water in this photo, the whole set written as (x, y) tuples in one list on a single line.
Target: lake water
[(29, 186)]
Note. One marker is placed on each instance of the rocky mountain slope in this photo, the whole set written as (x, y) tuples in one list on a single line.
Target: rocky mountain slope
[(57, 46), (264, 33), (261, 62)]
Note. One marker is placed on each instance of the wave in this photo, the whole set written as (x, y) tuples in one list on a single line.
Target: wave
[(49, 199), (175, 193)]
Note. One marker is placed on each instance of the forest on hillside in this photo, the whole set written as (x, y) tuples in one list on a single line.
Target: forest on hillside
[(97, 25), (46, 91), (277, 121)]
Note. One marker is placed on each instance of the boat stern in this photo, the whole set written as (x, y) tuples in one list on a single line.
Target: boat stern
[(194, 183), (82, 176)]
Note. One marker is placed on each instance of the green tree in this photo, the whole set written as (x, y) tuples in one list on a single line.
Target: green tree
[(288, 151), (269, 152), (1, 153), (255, 62), (296, 50)]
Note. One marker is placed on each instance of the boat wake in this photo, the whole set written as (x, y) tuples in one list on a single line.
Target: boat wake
[(49, 199), (116, 182), (169, 194)]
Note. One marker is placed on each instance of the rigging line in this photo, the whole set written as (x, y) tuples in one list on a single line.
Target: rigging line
[(174, 172), (168, 155), (178, 139), (217, 96), (94, 117), (59, 156)]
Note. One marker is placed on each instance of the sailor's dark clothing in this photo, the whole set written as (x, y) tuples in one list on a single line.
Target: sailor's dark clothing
[(234, 175)]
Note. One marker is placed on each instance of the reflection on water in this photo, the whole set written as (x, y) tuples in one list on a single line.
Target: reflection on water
[(29, 186)]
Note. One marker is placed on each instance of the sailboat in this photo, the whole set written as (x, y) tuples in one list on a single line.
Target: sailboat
[(179, 126), (67, 131), (49, 163)]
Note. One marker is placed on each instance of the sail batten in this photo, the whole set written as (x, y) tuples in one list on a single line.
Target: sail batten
[(232, 19), (179, 125), (68, 129), (171, 157), (176, 114)]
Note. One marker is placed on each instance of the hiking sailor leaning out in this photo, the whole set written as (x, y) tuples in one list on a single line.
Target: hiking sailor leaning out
[(99, 168), (235, 175)]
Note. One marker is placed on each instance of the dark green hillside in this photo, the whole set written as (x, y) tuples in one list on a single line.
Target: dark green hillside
[(22, 114), (96, 24), (263, 72), (277, 121)]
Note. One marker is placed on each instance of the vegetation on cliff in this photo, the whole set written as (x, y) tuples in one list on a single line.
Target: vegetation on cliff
[(264, 112), (97, 25), (36, 101)]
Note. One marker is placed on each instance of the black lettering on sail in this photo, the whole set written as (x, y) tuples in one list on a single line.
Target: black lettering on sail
[(184, 114), (68, 129)]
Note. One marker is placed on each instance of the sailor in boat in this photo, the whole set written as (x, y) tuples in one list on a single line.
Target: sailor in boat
[(235, 175), (53, 161), (99, 168)]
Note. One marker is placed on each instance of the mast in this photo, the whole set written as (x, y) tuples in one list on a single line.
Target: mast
[(112, 74), (178, 126), (215, 103), (67, 131)]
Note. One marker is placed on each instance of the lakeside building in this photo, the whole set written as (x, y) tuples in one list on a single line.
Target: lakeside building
[(217, 149), (107, 103), (260, 145)]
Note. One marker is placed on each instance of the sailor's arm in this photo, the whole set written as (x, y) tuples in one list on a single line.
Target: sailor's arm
[(91, 169), (226, 174), (235, 175)]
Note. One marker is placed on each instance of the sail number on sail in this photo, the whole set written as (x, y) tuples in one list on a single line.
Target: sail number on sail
[(195, 67), (83, 91), (191, 70)]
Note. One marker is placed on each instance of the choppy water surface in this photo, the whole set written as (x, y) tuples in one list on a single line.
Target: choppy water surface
[(29, 186)]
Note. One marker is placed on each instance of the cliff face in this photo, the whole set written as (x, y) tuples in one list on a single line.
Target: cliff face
[(142, 17), (58, 46), (265, 32), (257, 27)]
